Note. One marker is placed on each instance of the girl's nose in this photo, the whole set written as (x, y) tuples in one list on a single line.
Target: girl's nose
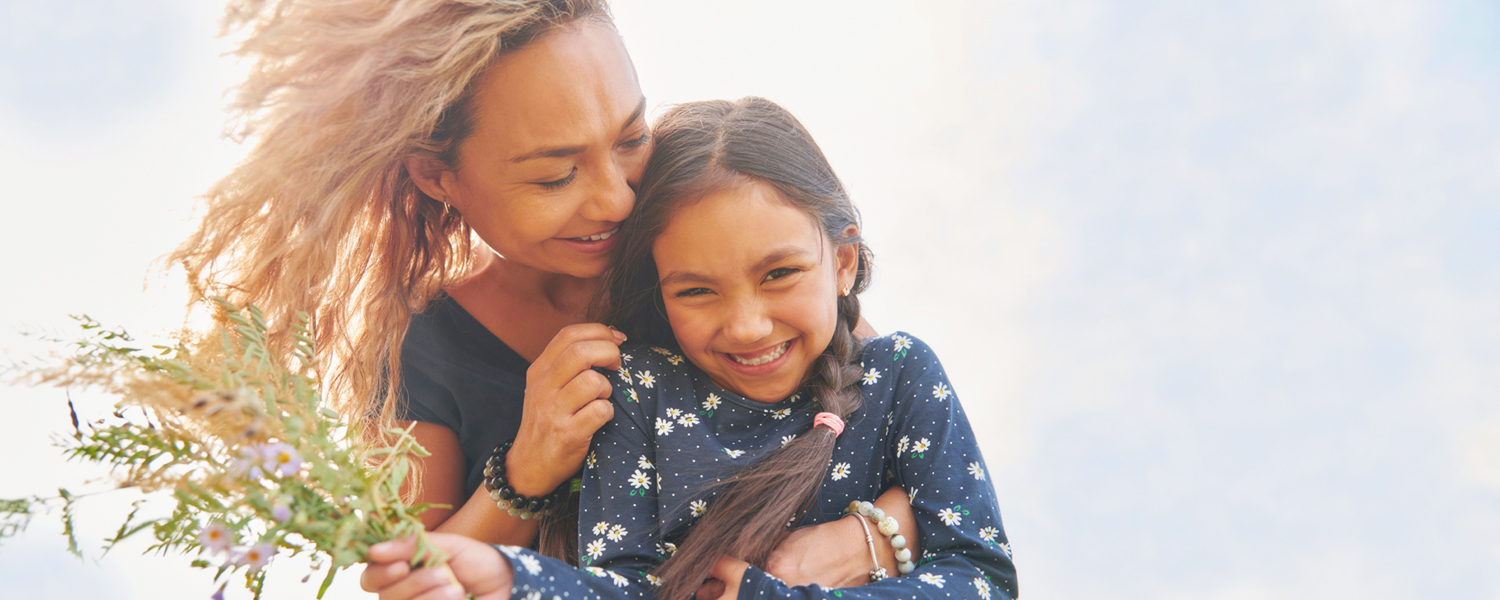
[(747, 322)]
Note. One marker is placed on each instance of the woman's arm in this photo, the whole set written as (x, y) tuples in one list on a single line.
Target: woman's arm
[(441, 475), (566, 401)]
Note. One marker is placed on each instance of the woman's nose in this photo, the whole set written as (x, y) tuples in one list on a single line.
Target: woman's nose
[(614, 197)]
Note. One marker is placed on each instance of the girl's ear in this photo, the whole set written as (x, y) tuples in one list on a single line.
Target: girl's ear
[(847, 256), (432, 177)]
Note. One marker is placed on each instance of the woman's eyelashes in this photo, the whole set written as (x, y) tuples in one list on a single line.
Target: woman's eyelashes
[(559, 183), (638, 142)]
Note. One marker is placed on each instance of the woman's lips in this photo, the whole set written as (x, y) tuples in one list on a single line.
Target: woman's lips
[(598, 242)]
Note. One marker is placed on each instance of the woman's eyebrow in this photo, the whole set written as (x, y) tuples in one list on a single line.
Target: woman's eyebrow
[(640, 109), (561, 151)]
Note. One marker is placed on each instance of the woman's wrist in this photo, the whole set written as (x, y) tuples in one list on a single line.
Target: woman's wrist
[(532, 472), (515, 501)]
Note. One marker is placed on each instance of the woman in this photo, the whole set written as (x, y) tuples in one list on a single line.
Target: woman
[(466, 161)]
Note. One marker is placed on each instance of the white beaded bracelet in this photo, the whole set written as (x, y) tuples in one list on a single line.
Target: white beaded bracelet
[(889, 528)]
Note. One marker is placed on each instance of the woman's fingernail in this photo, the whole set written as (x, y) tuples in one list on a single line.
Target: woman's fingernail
[(619, 335)]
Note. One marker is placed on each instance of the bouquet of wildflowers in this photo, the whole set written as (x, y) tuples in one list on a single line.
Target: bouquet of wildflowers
[(236, 436)]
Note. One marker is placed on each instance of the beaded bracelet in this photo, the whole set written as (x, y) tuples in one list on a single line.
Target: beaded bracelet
[(506, 497), (889, 528)]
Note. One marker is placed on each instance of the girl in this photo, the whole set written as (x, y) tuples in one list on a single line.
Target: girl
[(751, 407)]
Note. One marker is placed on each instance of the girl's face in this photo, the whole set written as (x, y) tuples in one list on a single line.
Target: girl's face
[(751, 288), (559, 142)]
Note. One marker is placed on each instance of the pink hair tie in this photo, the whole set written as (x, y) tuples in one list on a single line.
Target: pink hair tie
[(832, 421)]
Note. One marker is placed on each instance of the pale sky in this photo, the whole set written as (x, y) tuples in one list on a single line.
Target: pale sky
[(1217, 283)]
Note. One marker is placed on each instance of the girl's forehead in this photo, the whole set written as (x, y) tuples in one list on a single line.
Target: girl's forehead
[(753, 213)]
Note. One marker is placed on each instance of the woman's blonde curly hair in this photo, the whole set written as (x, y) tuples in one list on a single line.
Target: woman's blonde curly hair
[(322, 216)]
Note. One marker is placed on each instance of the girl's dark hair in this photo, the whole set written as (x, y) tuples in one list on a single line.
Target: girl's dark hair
[(701, 148)]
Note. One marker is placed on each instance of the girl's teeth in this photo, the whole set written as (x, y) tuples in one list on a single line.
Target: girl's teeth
[(760, 360), (599, 238)]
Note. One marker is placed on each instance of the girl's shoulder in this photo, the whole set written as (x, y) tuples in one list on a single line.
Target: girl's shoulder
[(897, 348), (647, 372), (649, 357)]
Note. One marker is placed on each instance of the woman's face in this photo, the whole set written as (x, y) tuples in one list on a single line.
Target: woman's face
[(750, 285), (559, 142)]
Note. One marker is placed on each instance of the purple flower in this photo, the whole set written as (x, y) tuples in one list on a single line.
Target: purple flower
[(215, 536), (249, 463), (219, 595), (282, 458), (256, 556), (280, 511)]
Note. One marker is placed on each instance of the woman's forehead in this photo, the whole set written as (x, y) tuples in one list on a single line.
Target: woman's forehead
[(574, 86)]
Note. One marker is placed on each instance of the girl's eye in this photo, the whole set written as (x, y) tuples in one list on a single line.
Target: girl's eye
[(698, 291), (778, 273), (638, 142), (559, 183)]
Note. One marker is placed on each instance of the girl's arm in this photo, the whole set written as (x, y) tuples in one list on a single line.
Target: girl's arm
[(835, 554), (936, 459)]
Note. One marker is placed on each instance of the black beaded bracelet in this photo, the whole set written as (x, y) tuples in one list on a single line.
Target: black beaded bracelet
[(506, 496)]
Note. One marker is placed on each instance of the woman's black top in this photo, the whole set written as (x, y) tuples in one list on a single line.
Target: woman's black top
[(459, 375)]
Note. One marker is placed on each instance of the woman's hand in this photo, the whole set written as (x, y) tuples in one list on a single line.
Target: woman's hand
[(473, 568), (835, 554), (566, 402)]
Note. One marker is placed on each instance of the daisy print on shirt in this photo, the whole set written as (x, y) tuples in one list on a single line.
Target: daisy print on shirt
[(923, 442)]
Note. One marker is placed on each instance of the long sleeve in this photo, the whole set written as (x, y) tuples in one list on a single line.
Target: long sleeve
[(935, 457), (617, 517)]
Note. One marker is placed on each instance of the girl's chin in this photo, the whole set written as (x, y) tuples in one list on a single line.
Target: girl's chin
[(760, 392)]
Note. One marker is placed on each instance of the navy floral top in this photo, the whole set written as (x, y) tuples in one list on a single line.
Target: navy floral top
[(674, 433)]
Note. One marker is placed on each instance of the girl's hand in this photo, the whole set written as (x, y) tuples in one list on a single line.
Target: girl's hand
[(566, 402), (473, 567), (725, 585), (835, 554)]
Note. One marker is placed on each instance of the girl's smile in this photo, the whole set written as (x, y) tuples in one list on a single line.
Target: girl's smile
[(750, 285)]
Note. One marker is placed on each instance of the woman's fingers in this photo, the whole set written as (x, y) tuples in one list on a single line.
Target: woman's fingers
[(585, 387), (561, 411), (594, 415), (574, 349)]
